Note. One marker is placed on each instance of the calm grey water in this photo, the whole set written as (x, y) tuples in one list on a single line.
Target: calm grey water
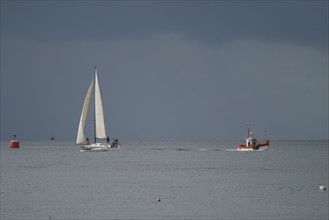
[(53, 180)]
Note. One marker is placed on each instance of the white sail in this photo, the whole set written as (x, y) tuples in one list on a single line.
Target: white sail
[(80, 136), (99, 116)]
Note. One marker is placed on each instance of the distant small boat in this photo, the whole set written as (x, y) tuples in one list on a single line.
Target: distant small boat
[(52, 138), (14, 143), (252, 144), (99, 125)]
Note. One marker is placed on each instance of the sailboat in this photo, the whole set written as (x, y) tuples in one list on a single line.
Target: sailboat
[(101, 140)]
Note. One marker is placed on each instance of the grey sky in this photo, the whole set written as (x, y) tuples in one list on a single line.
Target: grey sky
[(184, 70)]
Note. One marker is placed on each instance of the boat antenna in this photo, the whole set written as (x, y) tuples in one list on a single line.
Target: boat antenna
[(265, 135), (248, 125)]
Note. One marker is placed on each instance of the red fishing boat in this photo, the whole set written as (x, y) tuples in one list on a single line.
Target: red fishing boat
[(252, 144)]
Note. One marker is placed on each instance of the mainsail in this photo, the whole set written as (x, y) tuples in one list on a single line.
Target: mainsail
[(82, 123), (99, 116)]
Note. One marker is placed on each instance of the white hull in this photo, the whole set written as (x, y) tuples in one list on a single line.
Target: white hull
[(251, 149), (98, 147), (95, 145), (246, 149)]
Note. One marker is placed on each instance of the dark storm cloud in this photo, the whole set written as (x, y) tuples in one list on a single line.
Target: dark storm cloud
[(213, 21), (177, 70)]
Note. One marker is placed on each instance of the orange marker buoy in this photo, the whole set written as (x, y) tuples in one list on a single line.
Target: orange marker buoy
[(14, 143)]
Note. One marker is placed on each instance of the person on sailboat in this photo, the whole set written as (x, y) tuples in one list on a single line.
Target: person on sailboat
[(115, 143), (108, 139), (87, 141)]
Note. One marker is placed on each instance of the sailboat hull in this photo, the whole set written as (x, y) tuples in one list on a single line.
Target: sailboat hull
[(95, 146), (98, 147)]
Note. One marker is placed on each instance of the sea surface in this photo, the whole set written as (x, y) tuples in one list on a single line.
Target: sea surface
[(194, 180)]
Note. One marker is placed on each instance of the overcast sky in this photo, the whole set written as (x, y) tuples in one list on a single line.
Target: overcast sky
[(185, 70)]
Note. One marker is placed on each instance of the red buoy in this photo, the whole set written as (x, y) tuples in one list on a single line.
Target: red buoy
[(14, 143)]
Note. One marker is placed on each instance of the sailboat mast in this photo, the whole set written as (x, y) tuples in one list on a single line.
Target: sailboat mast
[(95, 71)]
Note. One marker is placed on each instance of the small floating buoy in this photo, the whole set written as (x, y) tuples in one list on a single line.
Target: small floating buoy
[(158, 199), (14, 143), (322, 188)]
